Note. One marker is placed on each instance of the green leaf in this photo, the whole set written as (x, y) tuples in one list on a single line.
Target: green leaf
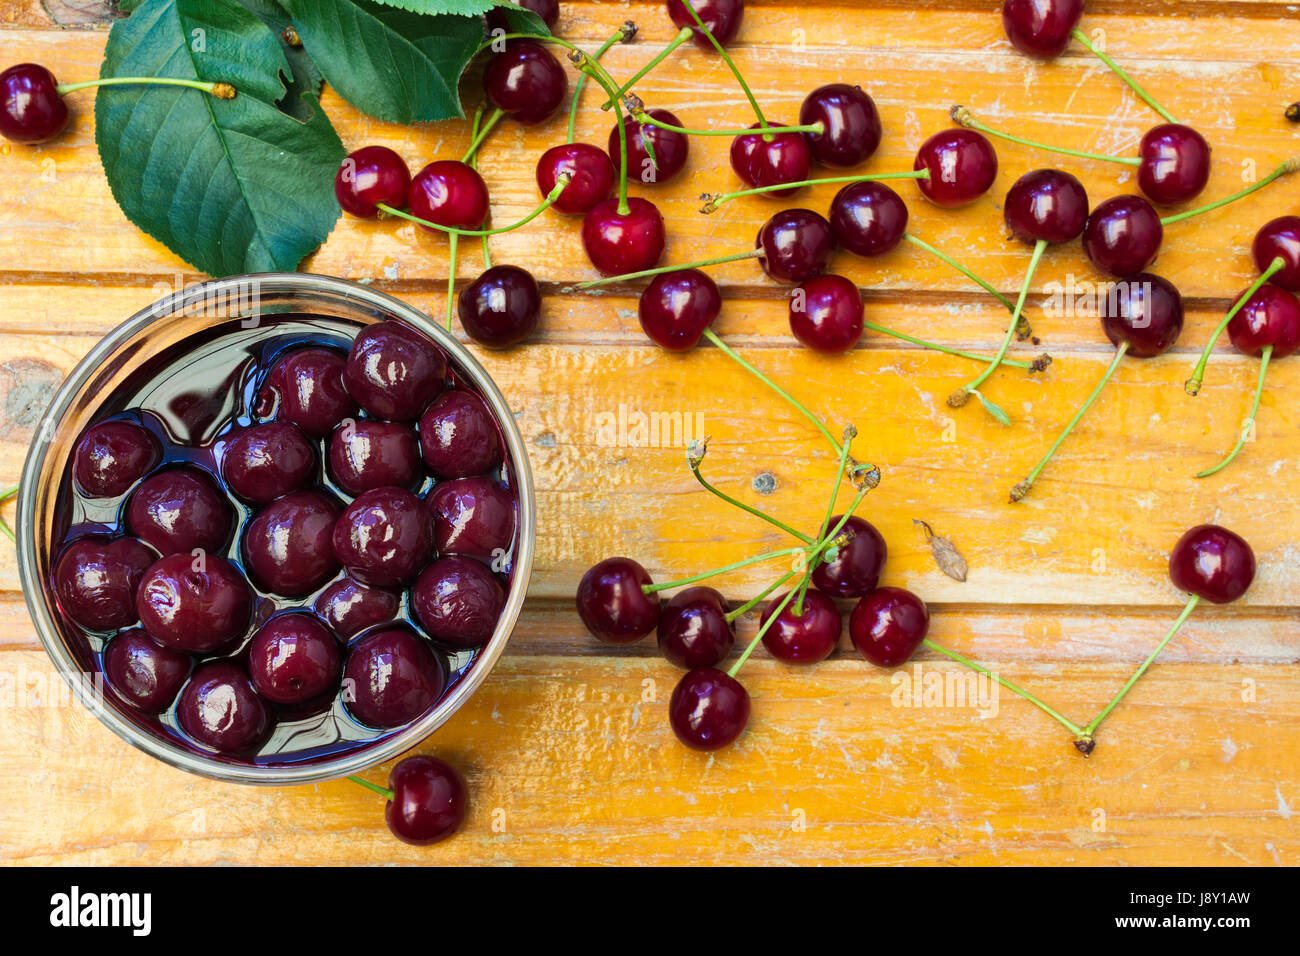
[(523, 20), (462, 8), (305, 78), (231, 186)]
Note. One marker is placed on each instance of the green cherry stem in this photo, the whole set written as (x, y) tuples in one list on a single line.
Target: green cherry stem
[(8, 493), (712, 202), (726, 58), (641, 116), (1036, 366), (1022, 489), (759, 598), (479, 134), (623, 207), (623, 34), (451, 230), (963, 117), (734, 669), (473, 162), (705, 575), (1249, 424), (1023, 330), (1283, 169), (695, 458), (1193, 385), (850, 433), (660, 270), (453, 240), (222, 91), (1115, 68), (683, 35), (374, 787)]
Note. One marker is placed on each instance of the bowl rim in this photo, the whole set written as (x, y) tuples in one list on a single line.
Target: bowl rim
[(34, 588)]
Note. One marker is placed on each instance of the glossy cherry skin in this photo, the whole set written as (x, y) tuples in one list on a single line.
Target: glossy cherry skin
[(287, 545), (449, 193), (429, 801), (458, 436), (367, 454), (305, 388), (112, 456), (220, 709), (349, 607), (194, 604), (1279, 239), (1175, 163), (548, 10), (180, 510), (786, 159), (384, 537), (31, 109), (857, 565), (267, 461), (591, 173), (888, 625), (96, 580), (1271, 316), (458, 601), (1145, 311), (850, 124), (612, 604), (1123, 236), (525, 81), (709, 709), (293, 658), (804, 638), (474, 517), (1213, 563), (693, 628), (370, 175), (797, 245), (142, 672), (962, 165), (868, 219), (1041, 28), (501, 307), (676, 308), (1046, 205), (826, 314), (394, 371), (671, 149), (722, 17), (393, 676), (617, 242)]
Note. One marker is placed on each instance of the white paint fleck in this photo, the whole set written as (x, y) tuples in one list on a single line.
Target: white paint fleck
[(1283, 808)]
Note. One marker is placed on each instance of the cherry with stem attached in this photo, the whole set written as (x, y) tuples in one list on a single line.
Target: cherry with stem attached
[(427, 799)]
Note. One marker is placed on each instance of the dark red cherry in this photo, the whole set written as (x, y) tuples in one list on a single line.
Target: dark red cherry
[(670, 148), (888, 625), (962, 165), (1145, 311), (180, 510), (112, 456), (458, 436), (1213, 563), (145, 674), (591, 176), (305, 388), (349, 607), (220, 709), (370, 175), (850, 124), (855, 569), (709, 709), (1279, 239), (267, 461), (676, 308), (525, 81), (693, 628), (1047, 205), (392, 677), (96, 580), (1041, 28), (293, 659), (1271, 316), (806, 637), (429, 802), (473, 517), (868, 218), (457, 601), (384, 537), (722, 17), (758, 162), (367, 454), (31, 109), (1175, 163), (826, 314), (196, 604), (617, 242), (548, 10), (1123, 236), (287, 545), (449, 193), (797, 245), (501, 307), (394, 371), (612, 604)]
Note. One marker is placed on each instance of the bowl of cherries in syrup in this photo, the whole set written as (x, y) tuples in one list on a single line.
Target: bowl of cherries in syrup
[(276, 528)]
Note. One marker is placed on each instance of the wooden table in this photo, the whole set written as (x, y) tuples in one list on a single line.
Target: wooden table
[(567, 747)]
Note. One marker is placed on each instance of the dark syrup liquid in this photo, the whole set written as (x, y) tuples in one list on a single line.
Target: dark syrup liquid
[(194, 398)]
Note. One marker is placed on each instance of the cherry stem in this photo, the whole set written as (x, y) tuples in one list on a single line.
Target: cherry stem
[(849, 434), (1290, 166), (1022, 489), (763, 629), (4, 525), (641, 116), (712, 202), (8, 493), (963, 117), (1016, 363), (473, 162), (683, 35), (546, 203), (1248, 425), (622, 34), (480, 134), (222, 91), (660, 270), (1193, 385), (382, 791), (758, 598), (1024, 331), (695, 459), (705, 575), (726, 58), (453, 239), (1115, 68), (623, 207)]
